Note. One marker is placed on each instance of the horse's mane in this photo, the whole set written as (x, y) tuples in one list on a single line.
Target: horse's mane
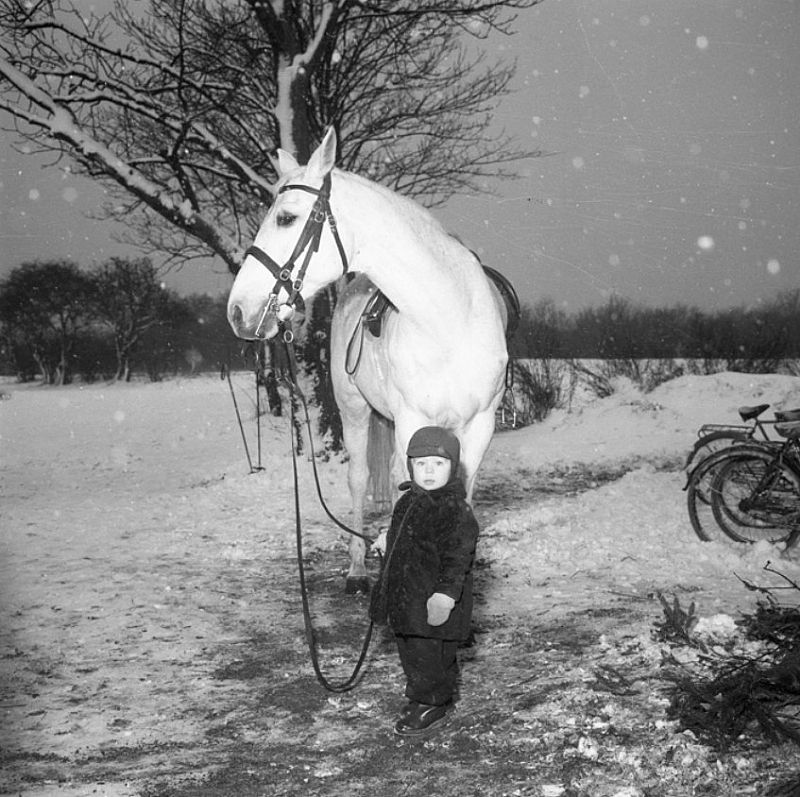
[(425, 222)]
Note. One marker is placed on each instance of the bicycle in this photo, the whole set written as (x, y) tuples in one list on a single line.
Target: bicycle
[(750, 491), (714, 437)]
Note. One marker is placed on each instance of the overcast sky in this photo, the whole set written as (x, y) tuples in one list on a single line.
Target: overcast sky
[(675, 178)]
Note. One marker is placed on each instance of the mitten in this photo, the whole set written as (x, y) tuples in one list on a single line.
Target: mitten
[(439, 608), (379, 543)]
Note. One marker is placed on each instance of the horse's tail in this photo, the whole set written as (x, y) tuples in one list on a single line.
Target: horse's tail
[(380, 447)]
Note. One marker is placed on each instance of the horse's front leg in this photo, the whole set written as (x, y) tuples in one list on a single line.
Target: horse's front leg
[(355, 439), (357, 579), (475, 440)]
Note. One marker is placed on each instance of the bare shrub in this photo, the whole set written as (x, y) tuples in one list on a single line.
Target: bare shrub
[(600, 375), (537, 387), (791, 367), (704, 366)]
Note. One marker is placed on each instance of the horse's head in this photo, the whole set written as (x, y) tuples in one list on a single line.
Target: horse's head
[(297, 250)]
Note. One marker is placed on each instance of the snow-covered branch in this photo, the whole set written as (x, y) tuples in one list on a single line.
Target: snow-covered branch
[(179, 107), (60, 124)]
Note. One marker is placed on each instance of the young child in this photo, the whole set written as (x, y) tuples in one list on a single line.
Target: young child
[(426, 582)]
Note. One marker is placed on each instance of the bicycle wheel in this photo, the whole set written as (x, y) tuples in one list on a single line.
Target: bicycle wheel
[(754, 497), (705, 447), (712, 442), (698, 488)]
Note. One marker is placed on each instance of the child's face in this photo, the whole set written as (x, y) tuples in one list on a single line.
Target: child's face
[(431, 473)]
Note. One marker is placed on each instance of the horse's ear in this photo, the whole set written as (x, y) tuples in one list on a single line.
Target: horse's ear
[(286, 163), (323, 158)]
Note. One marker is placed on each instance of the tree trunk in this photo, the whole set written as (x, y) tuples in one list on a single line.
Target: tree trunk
[(44, 371)]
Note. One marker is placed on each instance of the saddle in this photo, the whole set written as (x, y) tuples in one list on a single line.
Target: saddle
[(788, 423), (379, 305), (748, 413), (375, 311)]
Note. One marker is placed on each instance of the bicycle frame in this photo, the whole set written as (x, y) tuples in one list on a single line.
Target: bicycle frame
[(786, 458), (735, 433)]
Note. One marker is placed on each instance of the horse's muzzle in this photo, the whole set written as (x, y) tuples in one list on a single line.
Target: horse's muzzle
[(262, 326)]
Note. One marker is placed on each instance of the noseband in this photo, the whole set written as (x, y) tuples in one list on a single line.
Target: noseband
[(309, 240)]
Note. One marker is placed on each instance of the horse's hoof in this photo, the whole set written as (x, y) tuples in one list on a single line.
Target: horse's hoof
[(357, 584)]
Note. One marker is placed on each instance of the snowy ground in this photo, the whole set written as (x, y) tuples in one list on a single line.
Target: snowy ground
[(637, 529), (134, 545)]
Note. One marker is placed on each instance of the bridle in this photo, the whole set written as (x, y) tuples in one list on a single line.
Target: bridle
[(308, 241)]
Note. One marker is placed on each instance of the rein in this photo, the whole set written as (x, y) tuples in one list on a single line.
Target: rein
[(295, 392)]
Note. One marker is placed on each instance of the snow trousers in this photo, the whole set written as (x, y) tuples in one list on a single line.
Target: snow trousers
[(431, 668)]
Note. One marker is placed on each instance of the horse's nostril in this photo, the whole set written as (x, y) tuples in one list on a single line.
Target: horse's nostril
[(236, 316)]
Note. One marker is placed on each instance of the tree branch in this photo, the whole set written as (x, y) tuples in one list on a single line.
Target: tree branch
[(62, 125)]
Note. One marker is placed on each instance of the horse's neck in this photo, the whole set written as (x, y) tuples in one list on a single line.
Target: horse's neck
[(413, 261)]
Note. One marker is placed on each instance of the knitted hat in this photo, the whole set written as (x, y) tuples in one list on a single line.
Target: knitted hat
[(433, 441)]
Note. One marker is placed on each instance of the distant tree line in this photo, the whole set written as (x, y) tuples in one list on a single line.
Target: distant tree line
[(59, 322), (755, 339)]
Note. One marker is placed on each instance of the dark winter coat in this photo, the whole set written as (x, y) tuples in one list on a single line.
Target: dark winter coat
[(430, 547)]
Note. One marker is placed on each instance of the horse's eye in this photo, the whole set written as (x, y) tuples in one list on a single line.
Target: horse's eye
[(285, 219)]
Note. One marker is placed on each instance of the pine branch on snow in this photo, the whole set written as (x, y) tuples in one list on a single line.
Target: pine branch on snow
[(739, 694)]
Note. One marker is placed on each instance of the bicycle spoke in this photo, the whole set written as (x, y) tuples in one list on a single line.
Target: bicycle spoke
[(753, 498)]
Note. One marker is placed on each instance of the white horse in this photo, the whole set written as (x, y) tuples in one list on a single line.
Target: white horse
[(440, 359)]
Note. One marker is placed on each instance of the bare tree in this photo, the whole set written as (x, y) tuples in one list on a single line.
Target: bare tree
[(129, 298), (44, 306), (178, 109)]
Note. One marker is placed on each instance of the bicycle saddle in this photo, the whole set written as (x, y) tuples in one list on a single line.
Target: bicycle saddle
[(748, 413), (788, 429)]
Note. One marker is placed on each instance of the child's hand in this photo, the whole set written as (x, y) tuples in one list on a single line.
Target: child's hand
[(379, 543), (439, 608)]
